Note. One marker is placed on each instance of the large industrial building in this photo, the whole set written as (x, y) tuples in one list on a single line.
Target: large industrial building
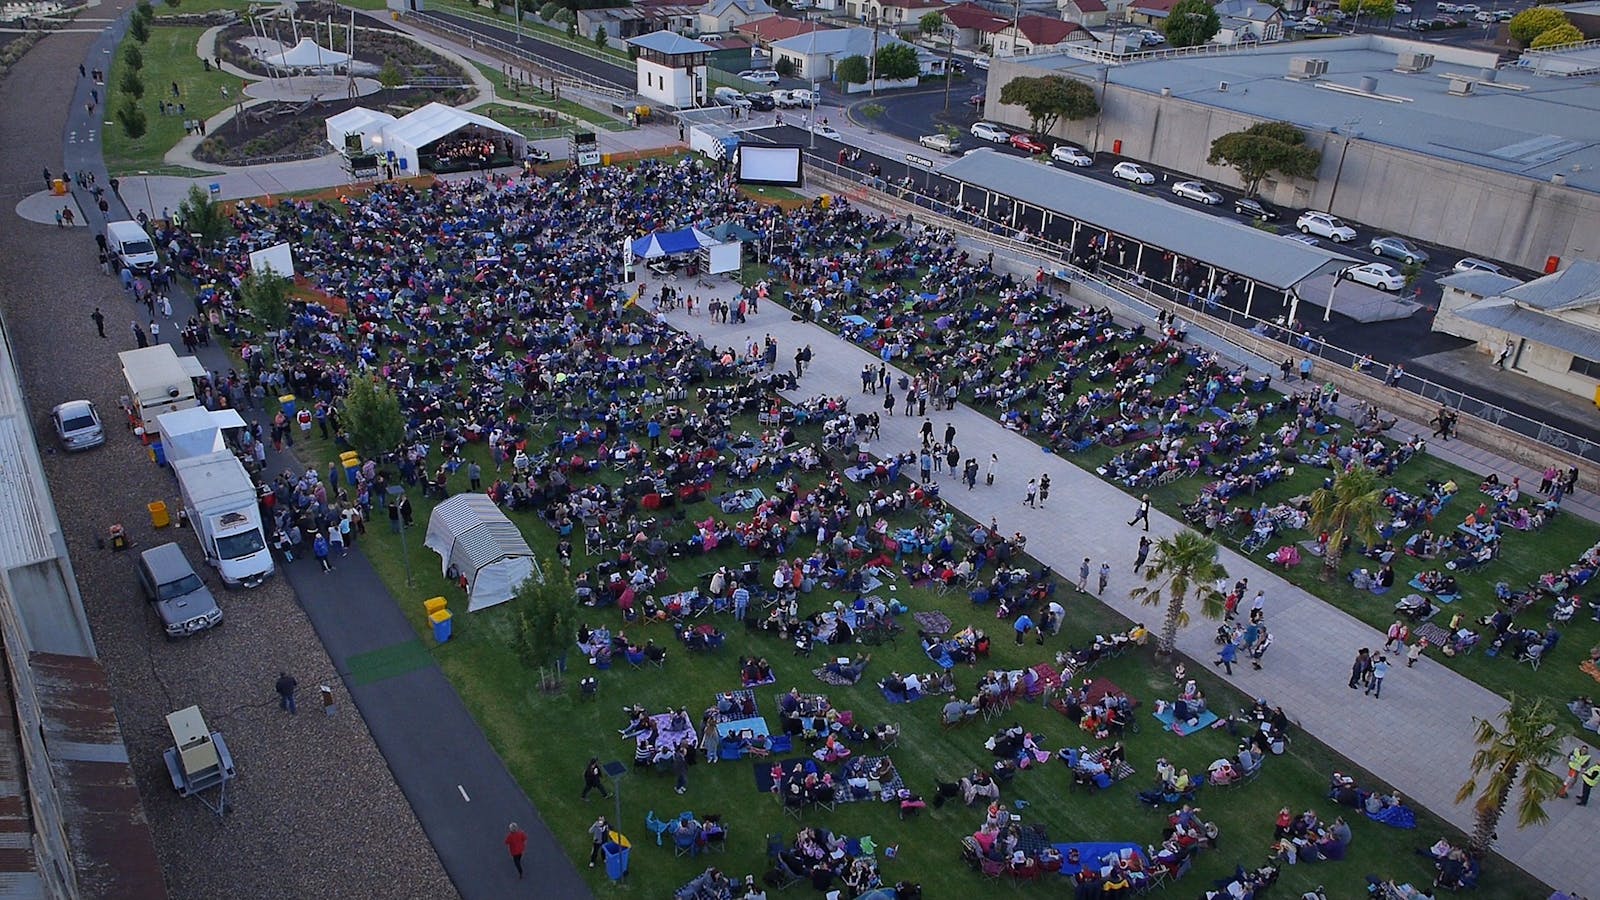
[(1437, 142)]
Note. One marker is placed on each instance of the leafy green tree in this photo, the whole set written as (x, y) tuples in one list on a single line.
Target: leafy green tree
[(784, 66), (572, 27), (1191, 23), (600, 37), (1349, 511), (931, 24), (131, 84), (549, 11), (132, 56), (1378, 10), (139, 29), (1557, 37), (132, 118), (172, 3), (266, 295), (1050, 98), (372, 417), (1534, 21), (200, 215), (852, 70), (1183, 569), (390, 76), (897, 62), (1514, 754), (144, 11), (1264, 148), (871, 111), (544, 622)]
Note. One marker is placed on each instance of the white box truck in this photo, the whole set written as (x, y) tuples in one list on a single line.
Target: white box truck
[(221, 503), (159, 381), (130, 244)]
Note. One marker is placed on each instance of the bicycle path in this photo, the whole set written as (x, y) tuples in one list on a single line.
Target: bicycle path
[(1418, 737)]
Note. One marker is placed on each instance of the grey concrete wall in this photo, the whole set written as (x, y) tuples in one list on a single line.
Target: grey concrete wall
[(1483, 212)]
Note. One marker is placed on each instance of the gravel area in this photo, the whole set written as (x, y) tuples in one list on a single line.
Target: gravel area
[(314, 801)]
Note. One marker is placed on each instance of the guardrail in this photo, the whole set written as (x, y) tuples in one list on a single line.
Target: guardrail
[(541, 35), (1142, 293), (566, 75)]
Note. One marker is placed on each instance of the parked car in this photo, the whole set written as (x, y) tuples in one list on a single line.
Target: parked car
[(1485, 17), (976, 100), (784, 99), (761, 101), (1150, 37), (943, 143), (1325, 225), (1072, 156), (760, 76), (182, 600), (1028, 143), (1198, 191), (1377, 275), (1403, 9), (980, 62), (727, 96), (1446, 8), (1255, 208), (1473, 264), (804, 97), (77, 425), (534, 154), (1468, 8), (1133, 172), (986, 132), (1398, 248)]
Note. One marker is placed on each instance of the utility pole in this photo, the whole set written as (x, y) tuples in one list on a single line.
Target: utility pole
[(949, 61), (1016, 16), (872, 85)]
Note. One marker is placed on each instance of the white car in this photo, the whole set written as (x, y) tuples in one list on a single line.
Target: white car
[(1072, 156), (1446, 8), (1467, 8), (77, 425), (1403, 9), (1473, 264), (1325, 225), (1198, 191), (827, 131), (1485, 17), (981, 62), (986, 132), (1133, 172), (1377, 275), (767, 77), (804, 97)]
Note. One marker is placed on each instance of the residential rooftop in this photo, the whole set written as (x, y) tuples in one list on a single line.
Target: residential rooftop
[(1520, 122)]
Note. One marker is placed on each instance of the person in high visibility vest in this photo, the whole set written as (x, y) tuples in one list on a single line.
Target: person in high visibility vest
[(1591, 777), (1577, 761)]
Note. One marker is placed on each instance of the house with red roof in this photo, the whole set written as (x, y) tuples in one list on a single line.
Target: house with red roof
[(987, 32)]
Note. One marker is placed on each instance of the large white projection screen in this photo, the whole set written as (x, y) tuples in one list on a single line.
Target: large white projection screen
[(770, 164), (277, 259)]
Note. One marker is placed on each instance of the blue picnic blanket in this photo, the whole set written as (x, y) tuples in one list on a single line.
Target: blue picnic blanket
[(1395, 817), (756, 726), (1094, 851), (1184, 729)]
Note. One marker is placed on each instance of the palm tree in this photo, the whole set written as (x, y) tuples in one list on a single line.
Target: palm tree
[(1350, 510), (1518, 751), (1185, 567)]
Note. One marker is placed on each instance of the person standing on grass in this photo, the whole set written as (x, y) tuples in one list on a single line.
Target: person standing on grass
[(597, 838), (516, 842), (1023, 625), (592, 780), (680, 770)]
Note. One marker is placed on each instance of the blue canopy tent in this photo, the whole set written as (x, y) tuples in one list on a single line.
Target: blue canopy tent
[(664, 243)]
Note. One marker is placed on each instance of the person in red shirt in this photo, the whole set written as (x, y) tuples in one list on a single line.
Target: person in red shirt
[(516, 842)]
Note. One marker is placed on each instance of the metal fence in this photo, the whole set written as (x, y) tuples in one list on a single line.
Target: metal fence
[(566, 75), (1133, 291)]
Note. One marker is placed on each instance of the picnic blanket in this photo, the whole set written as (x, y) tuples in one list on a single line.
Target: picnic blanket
[(882, 790), (1435, 635), (667, 735), (1101, 688), (833, 678), (894, 697), (745, 697), (756, 726), (1117, 772), (932, 621), (1395, 817), (1095, 851), (1184, 729), (1049, 678)]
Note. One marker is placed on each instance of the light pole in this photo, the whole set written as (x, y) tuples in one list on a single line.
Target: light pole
[(395, 493), (949, 61)]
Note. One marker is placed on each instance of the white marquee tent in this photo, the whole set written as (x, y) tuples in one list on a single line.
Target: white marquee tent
[(419, 129), (469, 532), (366, 122), (305, 55)]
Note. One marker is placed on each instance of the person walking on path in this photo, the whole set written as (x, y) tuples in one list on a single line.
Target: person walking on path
[(1305, 368), (1380, 668), (927, 433), (285, 687), (1577, 761), (888, 403), (994, 463), (1083, 576), (1360, 668), (1591, 777), (1105, 578), (1032, 492), (517, 843), (1226, 657), (1398, 633), (1143, 554), (1259, 649), (969, 473), (1143, 513), (319, 549), (138, 335), (1414, 652), (597, 835), (1258, 606), (592, 780), (99, 319), (1044, 489)]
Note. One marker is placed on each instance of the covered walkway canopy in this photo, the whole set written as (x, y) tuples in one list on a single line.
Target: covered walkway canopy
[(471, 534), (1168, 240)]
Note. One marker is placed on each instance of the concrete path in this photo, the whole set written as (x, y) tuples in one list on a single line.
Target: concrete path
[(1418, 737)]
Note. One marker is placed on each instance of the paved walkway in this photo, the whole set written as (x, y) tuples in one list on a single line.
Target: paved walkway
[(1418, 737)]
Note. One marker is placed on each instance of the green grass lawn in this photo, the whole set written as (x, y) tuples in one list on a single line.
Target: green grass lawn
[(508, 89), (526, 122), (169, 57)]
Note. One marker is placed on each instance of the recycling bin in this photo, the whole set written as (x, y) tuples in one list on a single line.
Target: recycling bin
[(441, 625)]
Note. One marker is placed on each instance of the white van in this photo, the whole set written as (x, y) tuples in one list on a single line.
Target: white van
[(728, 96), (128, 242)]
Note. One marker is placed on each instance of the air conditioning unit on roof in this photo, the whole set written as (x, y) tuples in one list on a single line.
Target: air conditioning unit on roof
[(1307, 67)]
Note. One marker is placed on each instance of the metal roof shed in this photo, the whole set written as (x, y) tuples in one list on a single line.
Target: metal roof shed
[(1257, 255), (469, 532)]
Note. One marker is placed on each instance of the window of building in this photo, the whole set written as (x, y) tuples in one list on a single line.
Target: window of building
[(1585, 367)]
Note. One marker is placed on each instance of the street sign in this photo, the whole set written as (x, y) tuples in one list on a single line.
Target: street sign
[(919, 161)]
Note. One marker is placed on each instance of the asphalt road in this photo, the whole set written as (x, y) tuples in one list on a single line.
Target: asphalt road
[(600, 69)]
